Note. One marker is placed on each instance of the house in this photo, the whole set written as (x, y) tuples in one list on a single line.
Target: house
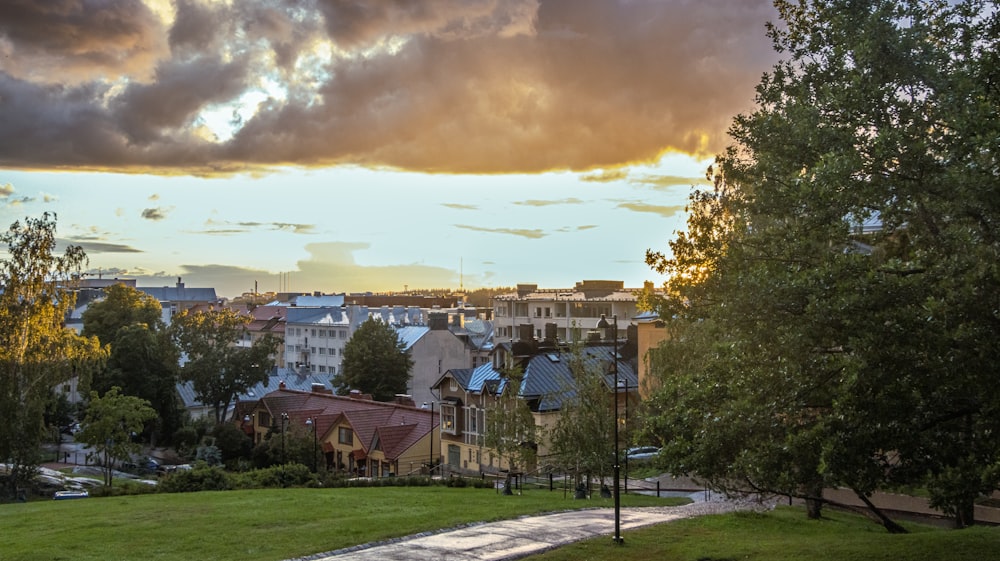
[(356, 435), (434, 349), (467, 395)]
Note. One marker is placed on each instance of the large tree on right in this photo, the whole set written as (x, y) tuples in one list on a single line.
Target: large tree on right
[(834, 302)]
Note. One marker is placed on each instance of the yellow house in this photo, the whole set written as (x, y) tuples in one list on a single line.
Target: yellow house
[(357, 436)]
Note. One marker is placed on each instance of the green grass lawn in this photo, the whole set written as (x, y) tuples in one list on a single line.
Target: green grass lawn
[(785, 535), (270, 524)]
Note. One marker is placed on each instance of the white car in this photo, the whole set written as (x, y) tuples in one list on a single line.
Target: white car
[(642, 453)]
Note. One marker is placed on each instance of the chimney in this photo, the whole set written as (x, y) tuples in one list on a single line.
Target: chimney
[(438, 321), (550, 332), (526, 332), (281, 385), (179, 283)]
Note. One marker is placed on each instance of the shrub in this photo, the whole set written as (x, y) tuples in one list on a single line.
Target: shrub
[(201, 478)]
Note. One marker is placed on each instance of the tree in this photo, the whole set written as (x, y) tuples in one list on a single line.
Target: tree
[(37, 353), (109, 427), (375, 362), (219, 369), (511, 430), (121, 306), (143, 360), (808, 350), (582, 437)]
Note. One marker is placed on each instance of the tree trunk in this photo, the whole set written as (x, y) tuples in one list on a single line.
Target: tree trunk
[(814, 500), (965, 514), (887, 523)]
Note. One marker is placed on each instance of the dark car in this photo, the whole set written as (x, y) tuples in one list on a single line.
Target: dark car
[(142, 466)]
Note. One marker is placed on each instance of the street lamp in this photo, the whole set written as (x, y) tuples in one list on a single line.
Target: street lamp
[(430, 457), (284, 420), (603, 324), (623, 384), (313, 426)]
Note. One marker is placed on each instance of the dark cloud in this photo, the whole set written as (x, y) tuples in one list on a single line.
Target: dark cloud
[(79, 39), (91, 246), (456, 86), (154, 214)]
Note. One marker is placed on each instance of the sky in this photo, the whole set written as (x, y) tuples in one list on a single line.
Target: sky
[(380, 145)]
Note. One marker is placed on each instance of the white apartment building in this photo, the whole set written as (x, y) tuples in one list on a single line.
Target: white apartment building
[(567, 314)]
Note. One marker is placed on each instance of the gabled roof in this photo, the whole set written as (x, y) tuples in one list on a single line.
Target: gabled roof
[(366, 418), (410, 334), (547, 376)]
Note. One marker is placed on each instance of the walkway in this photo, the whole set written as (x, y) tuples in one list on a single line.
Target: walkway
[(513, 539)]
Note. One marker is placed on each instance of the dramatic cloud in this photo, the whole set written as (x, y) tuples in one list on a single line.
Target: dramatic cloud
[(6, 190), (452, 86)]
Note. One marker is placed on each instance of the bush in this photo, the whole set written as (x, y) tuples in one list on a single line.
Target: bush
[(201, 478), (286, 475)]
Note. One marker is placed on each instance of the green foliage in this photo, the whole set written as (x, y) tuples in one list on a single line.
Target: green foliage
[(233, 444), (806, 351), (583, 435), (511, 429), (218, 368), (110, 424), (143, 361), (37, 353), (375, 362), (202, 478)]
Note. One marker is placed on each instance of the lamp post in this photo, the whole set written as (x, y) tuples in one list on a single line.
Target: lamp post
[(430, 455), (603, 324), (313, 426), (284, 420), (623, 383)]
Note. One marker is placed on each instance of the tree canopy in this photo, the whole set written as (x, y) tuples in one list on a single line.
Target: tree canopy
[(219, 368), (375, 362), (110, 426), (833, 303), (37, 352), (143, 360)]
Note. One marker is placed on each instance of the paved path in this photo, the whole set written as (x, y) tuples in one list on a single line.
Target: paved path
[(513, 539)]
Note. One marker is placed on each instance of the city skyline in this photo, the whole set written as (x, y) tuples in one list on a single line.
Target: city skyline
[(322, 147)]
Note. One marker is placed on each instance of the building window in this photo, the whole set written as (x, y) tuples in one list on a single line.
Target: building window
[(322, 333), (313, 332), (345, 436), (548, 312), (322, 350), (322, 369), (538, 312), (448, 424), (263, 419), (521, 309), (343, 334)]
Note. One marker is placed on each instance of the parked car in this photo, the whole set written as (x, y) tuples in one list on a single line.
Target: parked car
[(142, 466), (642, 453)]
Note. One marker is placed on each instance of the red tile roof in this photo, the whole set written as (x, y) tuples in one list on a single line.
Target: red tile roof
[(398, 426)]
